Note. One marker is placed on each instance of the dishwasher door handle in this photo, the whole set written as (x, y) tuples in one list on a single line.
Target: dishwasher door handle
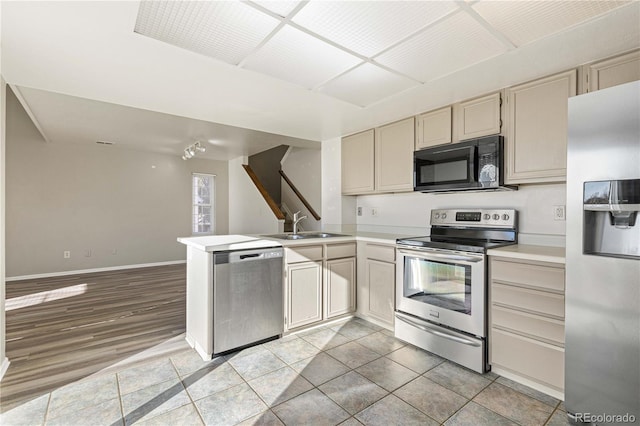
[(253, 255)]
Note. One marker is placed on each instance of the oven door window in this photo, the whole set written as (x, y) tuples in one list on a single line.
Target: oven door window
[(442, 284), (455, 166)]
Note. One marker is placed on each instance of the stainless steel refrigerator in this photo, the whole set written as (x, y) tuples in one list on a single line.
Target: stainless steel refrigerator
[(602, 317)]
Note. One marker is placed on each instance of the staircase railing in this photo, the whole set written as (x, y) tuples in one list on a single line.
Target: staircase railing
[(270, 202), (315, 215)]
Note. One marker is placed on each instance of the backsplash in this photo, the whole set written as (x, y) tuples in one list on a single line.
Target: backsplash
[(535, 205)]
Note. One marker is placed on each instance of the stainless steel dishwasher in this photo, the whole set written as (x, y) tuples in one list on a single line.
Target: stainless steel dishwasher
[(248, 299)]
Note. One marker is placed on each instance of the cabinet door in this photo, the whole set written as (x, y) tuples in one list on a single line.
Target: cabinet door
[(614, 71), (433, 128), (357, 163), (304, 293), (478, 117), (339, 284), (537, 136), (380, 277), (394, 156)]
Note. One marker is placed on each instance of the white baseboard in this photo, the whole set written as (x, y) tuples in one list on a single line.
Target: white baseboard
[(528, 382), (88, 271), (4, 367)]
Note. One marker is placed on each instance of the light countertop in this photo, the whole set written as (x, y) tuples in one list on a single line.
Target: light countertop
[(530, 252), (228, 242)]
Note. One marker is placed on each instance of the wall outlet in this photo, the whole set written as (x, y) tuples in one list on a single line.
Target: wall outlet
[(359, 211), (374, 211), (558, 213), (87, 253), (66, 254), (114, 251)]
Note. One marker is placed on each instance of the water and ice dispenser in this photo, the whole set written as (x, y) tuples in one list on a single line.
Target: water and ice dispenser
[(611, 223)]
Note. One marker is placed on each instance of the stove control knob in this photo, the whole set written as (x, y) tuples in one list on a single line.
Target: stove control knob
[(487, 216), (437, 215), (496, 216), (444, 215), (505, 217)]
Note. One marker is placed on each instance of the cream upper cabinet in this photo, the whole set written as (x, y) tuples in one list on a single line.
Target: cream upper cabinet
[(394, 156), (433, 128), (478, 117), (358, 163), (611, 72), (537, 129)]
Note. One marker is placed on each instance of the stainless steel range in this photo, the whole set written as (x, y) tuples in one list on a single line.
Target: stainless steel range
[(441, 283)]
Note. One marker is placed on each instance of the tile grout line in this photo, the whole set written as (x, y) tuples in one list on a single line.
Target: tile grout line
[(46, 411), (186, 391), (124, 423)]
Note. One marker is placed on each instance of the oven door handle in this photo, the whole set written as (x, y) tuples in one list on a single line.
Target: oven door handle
[(439, 256), (438, 332)]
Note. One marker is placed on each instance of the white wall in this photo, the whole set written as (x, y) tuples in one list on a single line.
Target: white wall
[(78, 197), (249, 213), (533, 202), (303, 167), (4, 362), (338, 212)]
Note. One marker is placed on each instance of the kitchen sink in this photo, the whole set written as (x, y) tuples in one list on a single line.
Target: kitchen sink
[(304, 236)]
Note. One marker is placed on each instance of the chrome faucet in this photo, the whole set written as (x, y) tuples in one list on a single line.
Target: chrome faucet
[(296, 219)]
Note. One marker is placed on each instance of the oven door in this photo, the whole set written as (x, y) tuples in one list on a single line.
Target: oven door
[(442, 286)]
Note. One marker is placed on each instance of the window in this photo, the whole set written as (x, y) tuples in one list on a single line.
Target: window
[(203, 195)]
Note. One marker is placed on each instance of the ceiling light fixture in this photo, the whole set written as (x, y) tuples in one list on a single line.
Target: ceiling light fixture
[(192, 150)]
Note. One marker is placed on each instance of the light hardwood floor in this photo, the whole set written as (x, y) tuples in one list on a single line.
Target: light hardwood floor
[(117, 316)]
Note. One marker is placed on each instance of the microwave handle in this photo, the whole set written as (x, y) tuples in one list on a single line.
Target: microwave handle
[(473, 163)]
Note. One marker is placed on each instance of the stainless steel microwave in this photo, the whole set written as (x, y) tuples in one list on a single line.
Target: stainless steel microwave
[(475, 164)]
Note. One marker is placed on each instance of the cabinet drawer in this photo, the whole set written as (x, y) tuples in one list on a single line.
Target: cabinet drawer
[(549, 329), (303, 254), (539, 361), (530, 300), (336, 251), (528, 274), (380, 252)]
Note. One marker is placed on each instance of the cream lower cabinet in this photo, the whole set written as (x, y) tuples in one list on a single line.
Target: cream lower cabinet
[(536, 145), (339, 287), (526, 317), (304, 285), (320, 283), (376, 282)]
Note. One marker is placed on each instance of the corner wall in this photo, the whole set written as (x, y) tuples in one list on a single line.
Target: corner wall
[(4, 362), (249, 213), (107, 205), (338, 211)]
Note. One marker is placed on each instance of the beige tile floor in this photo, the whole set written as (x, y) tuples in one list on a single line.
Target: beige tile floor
[(351, 373)]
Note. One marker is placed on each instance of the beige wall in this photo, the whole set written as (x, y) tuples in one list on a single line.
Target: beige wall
[(81, 197), (3, 360)]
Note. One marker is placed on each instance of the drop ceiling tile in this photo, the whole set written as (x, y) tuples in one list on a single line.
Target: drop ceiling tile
[(366, 85), (525, 21), (455, 43), (299, 58), (368, 27), (282, 8), (224, 30)]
